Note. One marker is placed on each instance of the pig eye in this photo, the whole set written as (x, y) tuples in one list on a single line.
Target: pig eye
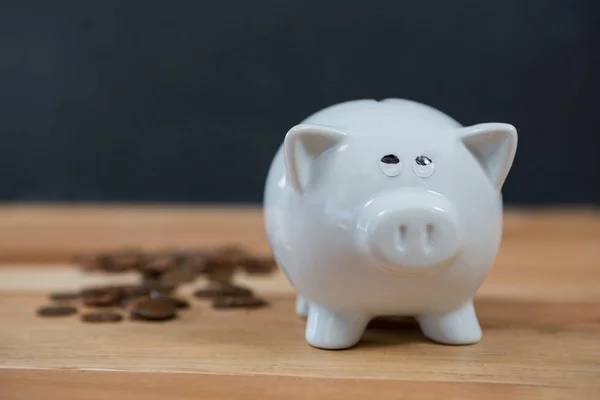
[(390, 165), (423, 166)]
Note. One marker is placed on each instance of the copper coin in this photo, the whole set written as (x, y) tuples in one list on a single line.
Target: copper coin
[(259, 265), (180, 256), (64, 296), (159, 263), (102, 317), (108, 298), (118, 295), (56, 311), (154, 310), (196, 262), (124, 260), (127, 289), (126, 301), (131, 302), (227, 255), (221, 274), (101, 290), (177, 302), (238, 302), (225, 290), (157, 286), (180, 303), (94, 291), (178, 275), (136, 291), (151, 275)]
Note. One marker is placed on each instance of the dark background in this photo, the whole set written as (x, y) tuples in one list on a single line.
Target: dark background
[(188, 100)]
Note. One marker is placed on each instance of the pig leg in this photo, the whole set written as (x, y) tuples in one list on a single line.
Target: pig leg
[(327, 329), (459, 326), (301, 306)]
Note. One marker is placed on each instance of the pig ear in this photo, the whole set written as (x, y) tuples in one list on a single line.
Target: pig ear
[(303, 143), (494, 146)]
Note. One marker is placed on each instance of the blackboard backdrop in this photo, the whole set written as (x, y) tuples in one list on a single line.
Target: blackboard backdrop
[(188, 100)]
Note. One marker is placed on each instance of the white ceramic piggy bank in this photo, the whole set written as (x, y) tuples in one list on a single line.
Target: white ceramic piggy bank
[(388, 207)]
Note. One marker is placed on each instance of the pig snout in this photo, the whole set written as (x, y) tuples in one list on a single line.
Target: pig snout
[(410, 230)]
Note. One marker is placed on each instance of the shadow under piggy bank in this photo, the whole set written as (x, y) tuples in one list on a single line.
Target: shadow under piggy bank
[(500, 318), (392, 330)]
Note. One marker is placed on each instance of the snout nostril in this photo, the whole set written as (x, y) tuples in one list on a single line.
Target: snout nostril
[(428, 239), (402, 232)]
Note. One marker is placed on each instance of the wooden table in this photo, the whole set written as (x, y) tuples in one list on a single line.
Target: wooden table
[(539, 309)]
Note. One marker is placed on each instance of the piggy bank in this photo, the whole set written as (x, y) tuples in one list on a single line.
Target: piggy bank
[(387, 208)]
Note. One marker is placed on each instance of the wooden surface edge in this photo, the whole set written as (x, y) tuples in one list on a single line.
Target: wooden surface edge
[(92, 385)]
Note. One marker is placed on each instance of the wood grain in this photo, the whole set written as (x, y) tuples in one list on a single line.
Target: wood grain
[(100, 385), (539, 309), (55, 233)]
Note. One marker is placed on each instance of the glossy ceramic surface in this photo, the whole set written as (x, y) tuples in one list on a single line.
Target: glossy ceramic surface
[(387, 208)]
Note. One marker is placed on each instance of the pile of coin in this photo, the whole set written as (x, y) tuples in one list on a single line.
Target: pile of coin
[(161, 273)]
